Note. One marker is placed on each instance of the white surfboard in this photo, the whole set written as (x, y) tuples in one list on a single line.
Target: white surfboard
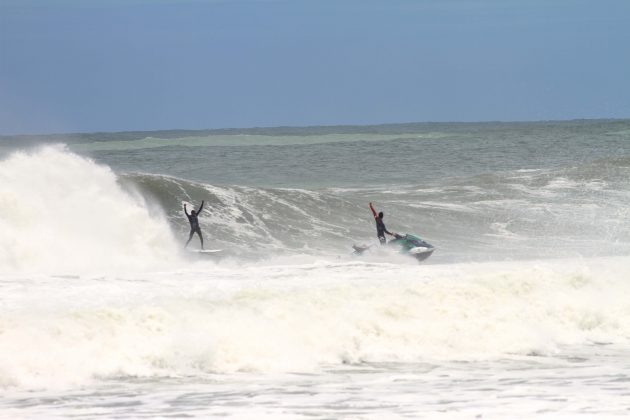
[(209, 251)]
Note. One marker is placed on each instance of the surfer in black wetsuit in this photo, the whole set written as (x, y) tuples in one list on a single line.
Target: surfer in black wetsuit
[(194, 224), (381, 230)]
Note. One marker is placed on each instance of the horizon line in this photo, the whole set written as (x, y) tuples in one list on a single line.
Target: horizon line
[(297, 127)]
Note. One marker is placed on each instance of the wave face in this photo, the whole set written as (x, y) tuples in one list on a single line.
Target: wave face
[(558, 212), (61, 212), (258, 221)]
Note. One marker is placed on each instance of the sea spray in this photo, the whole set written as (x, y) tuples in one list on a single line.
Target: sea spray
[(63, 213)]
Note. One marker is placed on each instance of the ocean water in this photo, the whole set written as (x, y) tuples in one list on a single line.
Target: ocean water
[(522, 311)]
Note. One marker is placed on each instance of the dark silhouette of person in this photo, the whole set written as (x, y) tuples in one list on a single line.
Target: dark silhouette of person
[(194, 223), (381, 230)]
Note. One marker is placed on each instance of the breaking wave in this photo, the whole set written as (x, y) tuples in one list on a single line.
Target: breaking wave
[(61, 212)]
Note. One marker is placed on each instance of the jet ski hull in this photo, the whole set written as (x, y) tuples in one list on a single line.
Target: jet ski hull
[(413, 246), (408, 244)]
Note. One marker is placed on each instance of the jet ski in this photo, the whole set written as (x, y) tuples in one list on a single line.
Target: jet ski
[(408, 244), (413, 246)]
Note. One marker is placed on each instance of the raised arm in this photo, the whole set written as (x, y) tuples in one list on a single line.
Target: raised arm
[(200, 207), (185, 211), (373, 211)]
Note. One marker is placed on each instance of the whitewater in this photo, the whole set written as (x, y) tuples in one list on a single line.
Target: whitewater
[(523, 311)]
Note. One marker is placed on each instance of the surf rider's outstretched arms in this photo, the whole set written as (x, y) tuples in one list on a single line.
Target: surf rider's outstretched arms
[(194, 224), (373, 211)]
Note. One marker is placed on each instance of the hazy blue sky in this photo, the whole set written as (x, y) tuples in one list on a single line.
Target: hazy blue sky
[(96, 65)]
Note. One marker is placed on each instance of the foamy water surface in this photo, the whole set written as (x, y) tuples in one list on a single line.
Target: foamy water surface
[(522, 311), (342, 339)]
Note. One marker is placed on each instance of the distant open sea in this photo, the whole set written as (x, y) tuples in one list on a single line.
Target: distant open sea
[(522, 311)]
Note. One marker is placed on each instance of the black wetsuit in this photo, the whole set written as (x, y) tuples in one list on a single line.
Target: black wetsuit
[(380, 230), (194, 225)]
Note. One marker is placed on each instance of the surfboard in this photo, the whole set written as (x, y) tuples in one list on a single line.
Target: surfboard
[(208, 251)]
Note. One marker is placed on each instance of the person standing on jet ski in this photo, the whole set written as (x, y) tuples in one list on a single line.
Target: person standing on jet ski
[(194, 223), (381, 230)]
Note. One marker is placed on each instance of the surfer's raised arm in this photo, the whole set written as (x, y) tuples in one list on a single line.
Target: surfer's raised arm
[(185, 211), (373, 211), (200, 207)]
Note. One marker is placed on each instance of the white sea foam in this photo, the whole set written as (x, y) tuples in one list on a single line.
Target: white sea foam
[(63, 213), (442, 206), (303, 317)]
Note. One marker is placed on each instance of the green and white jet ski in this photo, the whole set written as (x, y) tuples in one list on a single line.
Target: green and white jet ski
[(408, 244)]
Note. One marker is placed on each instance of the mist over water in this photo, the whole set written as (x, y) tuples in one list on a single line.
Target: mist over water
[(530, 272)]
